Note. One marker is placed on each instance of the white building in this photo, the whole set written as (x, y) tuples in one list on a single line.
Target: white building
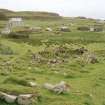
[(13, 22)]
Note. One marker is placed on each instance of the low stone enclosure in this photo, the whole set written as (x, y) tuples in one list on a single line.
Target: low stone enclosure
[(61, 55)]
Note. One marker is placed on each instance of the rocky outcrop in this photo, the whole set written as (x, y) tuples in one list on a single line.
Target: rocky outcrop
[(58, 88), (8, 98), (26, 99), (23, 99)]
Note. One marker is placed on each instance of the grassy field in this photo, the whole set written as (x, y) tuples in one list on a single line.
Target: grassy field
[(87, 80)]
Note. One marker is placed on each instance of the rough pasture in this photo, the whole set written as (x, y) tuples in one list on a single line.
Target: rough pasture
[(19, 63)]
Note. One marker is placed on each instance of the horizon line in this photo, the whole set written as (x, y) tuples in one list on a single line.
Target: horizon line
[(14, 10)]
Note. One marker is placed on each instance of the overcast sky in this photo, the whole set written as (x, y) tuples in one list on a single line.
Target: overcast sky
[(88, 8)]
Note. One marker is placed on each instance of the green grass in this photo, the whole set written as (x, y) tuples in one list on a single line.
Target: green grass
[(87, 80)]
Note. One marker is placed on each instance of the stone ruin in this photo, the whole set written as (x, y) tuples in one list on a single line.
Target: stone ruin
[(13, 22)]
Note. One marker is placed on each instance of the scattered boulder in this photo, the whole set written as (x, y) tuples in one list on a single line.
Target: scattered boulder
[(32, 84), (25, 99), (2, 94), (58, 88), (65, 29), (90, 58), (8, 98), (49, 29), (61, 87), (35, 29), (48, 86)]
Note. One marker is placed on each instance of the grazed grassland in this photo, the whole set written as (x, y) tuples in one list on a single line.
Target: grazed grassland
[(87, 80)]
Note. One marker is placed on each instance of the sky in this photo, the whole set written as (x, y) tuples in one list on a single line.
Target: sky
[(71, 8)]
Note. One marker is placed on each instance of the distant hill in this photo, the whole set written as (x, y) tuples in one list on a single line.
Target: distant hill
[(28, 14), (6, 11)]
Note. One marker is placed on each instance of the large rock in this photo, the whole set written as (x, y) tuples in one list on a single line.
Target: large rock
[(8, 98), (25, 99), (2, 94), (65, 29), (48, 86), (32, 84), (61, 87), (58, 88), (49, 29), (90, 58)]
